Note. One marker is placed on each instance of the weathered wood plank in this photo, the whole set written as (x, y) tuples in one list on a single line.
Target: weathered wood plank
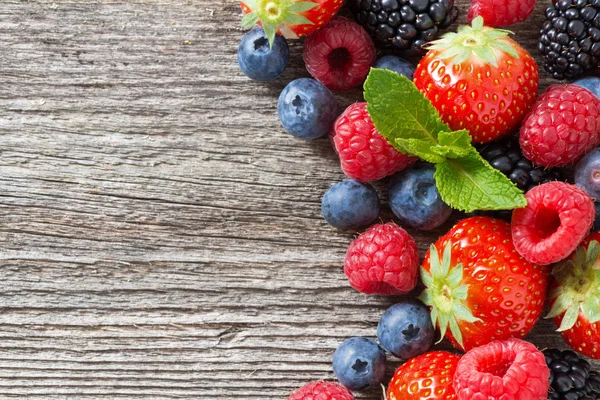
[(160, 235)]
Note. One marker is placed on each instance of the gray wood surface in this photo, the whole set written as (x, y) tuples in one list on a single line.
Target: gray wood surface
[(160, 235)]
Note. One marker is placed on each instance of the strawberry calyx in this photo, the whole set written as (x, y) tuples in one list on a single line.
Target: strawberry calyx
[(445, 293), (475, 42), (578, 290), (277, 14)]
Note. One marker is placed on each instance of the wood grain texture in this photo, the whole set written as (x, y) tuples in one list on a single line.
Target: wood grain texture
[(160, 235)]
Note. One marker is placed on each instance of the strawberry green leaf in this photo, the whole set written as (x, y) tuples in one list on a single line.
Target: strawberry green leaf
[(577, 295), (302, 6), (470, 183), (249, 20), (297, 19), (270, 31), (399, 110)]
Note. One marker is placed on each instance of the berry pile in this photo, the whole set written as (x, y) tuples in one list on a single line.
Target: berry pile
[(485, 282)]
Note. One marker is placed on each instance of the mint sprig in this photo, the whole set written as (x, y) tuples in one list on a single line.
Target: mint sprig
[(409, 121)]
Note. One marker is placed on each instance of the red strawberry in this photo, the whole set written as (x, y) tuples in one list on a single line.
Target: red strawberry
[(575, 297), (292, 18), (479, 286), (479, 80), (428, 376)]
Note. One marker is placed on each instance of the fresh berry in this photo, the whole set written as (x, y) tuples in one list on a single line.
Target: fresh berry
[(587, 173), (502, 370), (428, 376), (407, 24), (562, 126), (414, 198), (575, 298), (478, 286), (505, 155), (396, 64), (571, 377), (340, 54), (321, 391), (501, 13), (359, 363), (350, 204), (480, 80), (259, 61), (365, 155), (591, 83), (383, 260), (570, 38), (405, 329), (291, 18), (307, 109), (557, 217)]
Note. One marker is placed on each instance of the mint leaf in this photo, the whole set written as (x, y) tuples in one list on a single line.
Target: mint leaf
[(400, 111), (470, 184), (455, 144), (423, 149)]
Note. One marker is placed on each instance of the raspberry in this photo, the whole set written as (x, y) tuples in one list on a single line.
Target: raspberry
[(556, 219), (506, 370), (562, 126), (501, 12), (383, 260), (321, 391), (340, 54), (365, 155)]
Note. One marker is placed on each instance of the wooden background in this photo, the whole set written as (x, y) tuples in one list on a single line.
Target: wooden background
[(160, 235)]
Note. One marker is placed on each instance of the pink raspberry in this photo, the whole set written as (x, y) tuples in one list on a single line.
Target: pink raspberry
[(501, 12), (321, 391), (340, 54), (502, 370), (365, 155), (562, 126), (556, 219), (383, 260)]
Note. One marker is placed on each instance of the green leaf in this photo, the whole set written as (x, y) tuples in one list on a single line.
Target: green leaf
[(249, 20), (434, 261), (302, 6), (593, 252), (270, 31), (399, 110), (422, 148), (455, 144), (251, 4), (464, 313), (470, 184), (455, 276), (569, 318), (297, 19), (456, 332), (506, 47), (443, 320), (426, 278), (591, 309), (562, 303)]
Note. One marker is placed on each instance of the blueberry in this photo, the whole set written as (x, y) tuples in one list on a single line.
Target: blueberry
[(597, 220), (307, 109), (414, 198), (259, 61), (587, 173), (405, 329), (350, 204), (396, 64), (590, 83), (359, 363)]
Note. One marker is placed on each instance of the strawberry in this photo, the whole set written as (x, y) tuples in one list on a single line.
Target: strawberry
[(479, 80), (575, 297), (291, 18), (428, 376), (479, 286)]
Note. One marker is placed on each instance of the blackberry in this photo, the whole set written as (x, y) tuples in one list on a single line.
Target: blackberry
[(404, 24), (570, 38), (571, 377), (505, 155)]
